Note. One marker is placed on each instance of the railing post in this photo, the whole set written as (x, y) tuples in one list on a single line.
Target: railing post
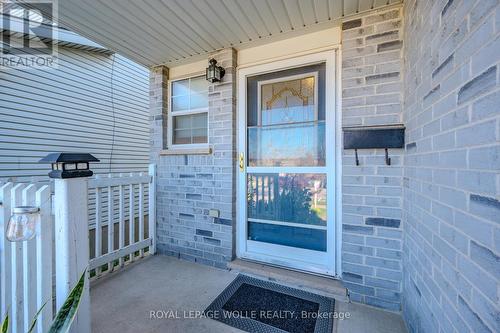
[(152, 209), (72, 244), (5, 250), (121, 222), (98, 226), (111, 224), (70, 172), (44, 243)]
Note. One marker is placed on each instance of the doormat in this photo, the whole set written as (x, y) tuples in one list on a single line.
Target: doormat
[(259, 306)]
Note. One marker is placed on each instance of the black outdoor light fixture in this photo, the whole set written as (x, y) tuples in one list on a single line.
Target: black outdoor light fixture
[(214, 73), (69, 165)]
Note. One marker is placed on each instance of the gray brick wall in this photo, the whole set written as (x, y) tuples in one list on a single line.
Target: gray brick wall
[(158, 106), (451, 182), (372, 191), (423, 234), (189, 185)]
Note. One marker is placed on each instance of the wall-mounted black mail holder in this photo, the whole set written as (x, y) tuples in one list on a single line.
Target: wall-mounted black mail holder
[(370, 137)]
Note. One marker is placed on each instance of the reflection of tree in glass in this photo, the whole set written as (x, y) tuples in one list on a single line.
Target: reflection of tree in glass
[(251, 198), (287, 198), (295, 202)]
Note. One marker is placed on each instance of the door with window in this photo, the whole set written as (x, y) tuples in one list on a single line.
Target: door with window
[(287, 184)]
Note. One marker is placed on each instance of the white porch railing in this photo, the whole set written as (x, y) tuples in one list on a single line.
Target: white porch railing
[(127, 201), (27, 270)]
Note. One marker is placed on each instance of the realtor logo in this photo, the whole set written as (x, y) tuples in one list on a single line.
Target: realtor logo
[(28, 34)]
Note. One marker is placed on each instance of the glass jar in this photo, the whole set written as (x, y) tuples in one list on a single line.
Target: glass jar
[(22, 224)]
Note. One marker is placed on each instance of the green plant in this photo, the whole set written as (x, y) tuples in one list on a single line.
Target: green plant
[(33, 323), (65, 315), (67, 312), (5, 324)]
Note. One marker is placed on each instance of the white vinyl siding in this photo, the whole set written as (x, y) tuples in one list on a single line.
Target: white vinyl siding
[(95, 103)]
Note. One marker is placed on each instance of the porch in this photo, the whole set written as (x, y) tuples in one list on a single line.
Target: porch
[(122, 302), (410, 227)]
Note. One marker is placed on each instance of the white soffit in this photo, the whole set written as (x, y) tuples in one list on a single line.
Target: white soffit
[(169, 32)]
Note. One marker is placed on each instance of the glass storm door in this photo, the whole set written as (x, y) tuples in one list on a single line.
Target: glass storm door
[(286, 182)]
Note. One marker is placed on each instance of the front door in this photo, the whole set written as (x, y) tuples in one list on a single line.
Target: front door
[(287, 170)]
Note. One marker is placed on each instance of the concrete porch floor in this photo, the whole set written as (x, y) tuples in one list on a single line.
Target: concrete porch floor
[(122, 302)]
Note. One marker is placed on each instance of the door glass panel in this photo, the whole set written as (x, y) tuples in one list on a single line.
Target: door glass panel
[(293, 198), (304, 238), (287, 102), (301, 144), (288, 123)]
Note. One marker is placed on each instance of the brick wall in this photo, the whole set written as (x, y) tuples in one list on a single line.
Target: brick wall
[(158, 107), (452, 163), (371, 95), (189, 185), (422, 233)]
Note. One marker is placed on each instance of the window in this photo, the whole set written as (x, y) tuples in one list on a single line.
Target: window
[(188, 119)]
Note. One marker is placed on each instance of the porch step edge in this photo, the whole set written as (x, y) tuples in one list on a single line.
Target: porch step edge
[(320, 285)]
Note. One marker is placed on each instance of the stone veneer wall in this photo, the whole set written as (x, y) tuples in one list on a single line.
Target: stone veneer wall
[(189, 185), (372, 191), (452, 166)]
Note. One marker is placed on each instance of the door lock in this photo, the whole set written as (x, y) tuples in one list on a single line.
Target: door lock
[(242, 162)]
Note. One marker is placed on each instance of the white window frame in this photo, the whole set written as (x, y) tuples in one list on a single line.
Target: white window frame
[(172, 114)]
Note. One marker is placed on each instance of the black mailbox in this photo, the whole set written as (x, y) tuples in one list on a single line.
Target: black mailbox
[(370, 137)]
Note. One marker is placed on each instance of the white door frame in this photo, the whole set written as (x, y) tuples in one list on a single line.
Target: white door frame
[(333, 156)]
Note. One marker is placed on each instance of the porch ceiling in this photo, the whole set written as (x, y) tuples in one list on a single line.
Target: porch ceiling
[(171, 31)]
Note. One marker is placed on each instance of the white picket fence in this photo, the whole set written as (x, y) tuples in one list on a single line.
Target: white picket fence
[(27, 270)]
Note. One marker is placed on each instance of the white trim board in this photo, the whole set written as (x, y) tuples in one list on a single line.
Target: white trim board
[(294, 46)]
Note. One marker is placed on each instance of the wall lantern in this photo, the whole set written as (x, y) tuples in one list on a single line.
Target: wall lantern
[(214, 73), (69, 165), (22, 224)]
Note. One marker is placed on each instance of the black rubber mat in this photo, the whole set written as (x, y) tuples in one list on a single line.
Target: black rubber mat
[(255, 305)]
